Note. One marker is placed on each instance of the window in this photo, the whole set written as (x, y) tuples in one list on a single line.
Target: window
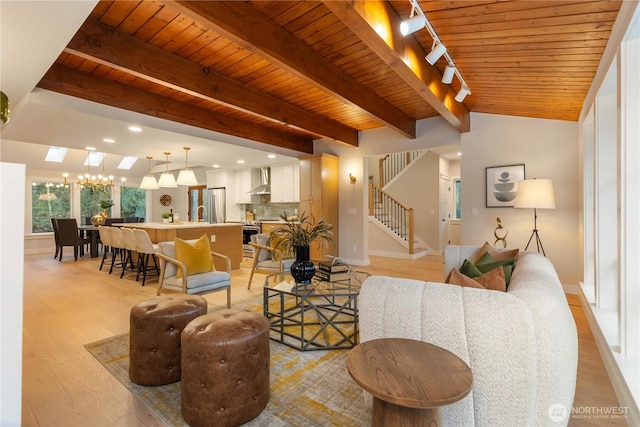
[(90, 203), (133, 202), (48, 201)]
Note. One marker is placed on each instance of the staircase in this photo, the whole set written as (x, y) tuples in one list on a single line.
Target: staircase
[(387, 212)]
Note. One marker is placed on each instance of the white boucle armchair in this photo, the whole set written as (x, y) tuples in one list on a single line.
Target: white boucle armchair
[(521, 345)]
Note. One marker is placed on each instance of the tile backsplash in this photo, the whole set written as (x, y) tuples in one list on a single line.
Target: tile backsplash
[(271, 211)]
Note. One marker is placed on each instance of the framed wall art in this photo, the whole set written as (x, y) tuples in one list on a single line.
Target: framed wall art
[(502, 185)]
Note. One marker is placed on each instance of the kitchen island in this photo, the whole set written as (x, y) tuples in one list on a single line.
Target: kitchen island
[(225, 238)]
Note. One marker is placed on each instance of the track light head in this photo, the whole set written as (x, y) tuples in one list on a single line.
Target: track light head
[(438, 50), (462, 93), (411, 25), (447, 76)]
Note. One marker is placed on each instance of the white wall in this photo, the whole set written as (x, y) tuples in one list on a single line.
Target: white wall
[(549, 149), (434, 132), (12, 195)]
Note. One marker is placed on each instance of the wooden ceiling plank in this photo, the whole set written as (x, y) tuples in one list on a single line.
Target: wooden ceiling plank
[(241, 23), (362, 17), (117, 12), (156, 23), (105, 45), (140, 16), (75, 83)]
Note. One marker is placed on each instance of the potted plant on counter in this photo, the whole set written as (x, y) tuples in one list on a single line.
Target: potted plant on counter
[(166, 216), (295, 236)]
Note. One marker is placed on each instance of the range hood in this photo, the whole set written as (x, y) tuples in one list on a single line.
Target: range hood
[(265, 183)]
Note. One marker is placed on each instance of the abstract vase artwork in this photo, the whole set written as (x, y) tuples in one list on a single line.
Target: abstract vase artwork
[(502, 185)]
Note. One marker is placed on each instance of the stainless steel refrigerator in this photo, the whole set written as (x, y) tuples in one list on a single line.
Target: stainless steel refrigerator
[(216, 205)]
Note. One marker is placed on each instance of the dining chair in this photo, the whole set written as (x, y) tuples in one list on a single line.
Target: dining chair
[(56, 236), (129, 245), (146, 249), (69, 235), (267, 259)]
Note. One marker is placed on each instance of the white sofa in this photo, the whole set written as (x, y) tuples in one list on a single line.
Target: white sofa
[(521, 345)]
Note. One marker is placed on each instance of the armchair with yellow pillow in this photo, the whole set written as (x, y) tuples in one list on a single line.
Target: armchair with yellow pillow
[(187, 266)]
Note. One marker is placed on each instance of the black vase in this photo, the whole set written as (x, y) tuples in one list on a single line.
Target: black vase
[(302, 269)]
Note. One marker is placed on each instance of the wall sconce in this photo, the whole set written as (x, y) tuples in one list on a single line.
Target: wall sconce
[(352, 177)]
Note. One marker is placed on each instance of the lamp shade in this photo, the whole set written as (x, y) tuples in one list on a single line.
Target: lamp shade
[(167, 180), (535, 193), (149, 183), (187, 177), (447, 76)]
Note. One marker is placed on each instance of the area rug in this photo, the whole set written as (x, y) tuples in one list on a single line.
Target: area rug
[(311, 388)]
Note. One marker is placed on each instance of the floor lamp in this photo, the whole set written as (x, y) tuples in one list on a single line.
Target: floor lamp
[(536, 194)]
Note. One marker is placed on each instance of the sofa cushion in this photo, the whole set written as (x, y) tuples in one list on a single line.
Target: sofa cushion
[(487, 263), (195, 255), (497, 254), (493, 280), (469, 269)]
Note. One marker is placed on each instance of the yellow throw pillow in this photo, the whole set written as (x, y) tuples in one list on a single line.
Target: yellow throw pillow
[(196, 255)]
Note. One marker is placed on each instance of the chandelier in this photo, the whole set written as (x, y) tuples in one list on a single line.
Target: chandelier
[(101, 182)]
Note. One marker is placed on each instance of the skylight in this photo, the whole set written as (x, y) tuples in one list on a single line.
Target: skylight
[(56, 154), (95, 157), (127, 162)]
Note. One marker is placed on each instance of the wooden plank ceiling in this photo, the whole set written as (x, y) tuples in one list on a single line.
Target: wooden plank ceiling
[(287, 72)]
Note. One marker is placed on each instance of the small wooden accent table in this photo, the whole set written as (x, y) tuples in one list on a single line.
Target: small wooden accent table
[(409, 380)]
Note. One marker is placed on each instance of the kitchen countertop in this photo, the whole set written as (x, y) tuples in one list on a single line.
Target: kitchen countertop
[(170, 226)]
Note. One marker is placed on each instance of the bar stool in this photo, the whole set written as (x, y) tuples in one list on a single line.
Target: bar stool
[(129, 245), (145, 249)]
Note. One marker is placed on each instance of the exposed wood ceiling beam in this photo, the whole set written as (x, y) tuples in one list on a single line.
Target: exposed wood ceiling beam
[(104, 45), (244, 25), (363, 17), (68, 81)]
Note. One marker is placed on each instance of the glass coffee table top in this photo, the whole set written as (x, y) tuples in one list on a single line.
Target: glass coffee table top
[(318, 316)]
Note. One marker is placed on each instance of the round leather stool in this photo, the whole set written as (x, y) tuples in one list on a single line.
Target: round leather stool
[(225, 368), (154, 336)]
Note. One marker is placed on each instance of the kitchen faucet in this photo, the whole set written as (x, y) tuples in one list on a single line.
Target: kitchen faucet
[(198, 212)]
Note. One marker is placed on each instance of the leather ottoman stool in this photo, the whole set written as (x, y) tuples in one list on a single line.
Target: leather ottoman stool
[(154, 336), (225, 368)]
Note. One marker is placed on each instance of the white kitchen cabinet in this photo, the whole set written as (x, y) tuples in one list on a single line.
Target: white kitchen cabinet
[(285, 183), (243, 186)]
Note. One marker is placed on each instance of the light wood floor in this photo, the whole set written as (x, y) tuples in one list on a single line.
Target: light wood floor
[(68, 304)]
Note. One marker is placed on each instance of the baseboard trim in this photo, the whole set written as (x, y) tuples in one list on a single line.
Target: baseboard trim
[(399, 255), (620, 387)]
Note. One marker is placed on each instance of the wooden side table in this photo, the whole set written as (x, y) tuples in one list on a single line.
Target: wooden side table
[(409, 380)]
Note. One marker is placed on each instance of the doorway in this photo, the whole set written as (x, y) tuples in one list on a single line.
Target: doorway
[(196, 199)]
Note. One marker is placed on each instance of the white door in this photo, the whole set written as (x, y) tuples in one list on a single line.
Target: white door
[(445, 210)]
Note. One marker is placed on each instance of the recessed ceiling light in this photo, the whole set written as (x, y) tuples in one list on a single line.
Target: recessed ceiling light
[(135, 128), (271, 156), (216, 166), (90, 148), (241, 161), (459, 154), (109, 140)]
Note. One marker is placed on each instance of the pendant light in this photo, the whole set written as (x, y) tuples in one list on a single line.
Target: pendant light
[(149, 181), (186, 176), (167, 179)]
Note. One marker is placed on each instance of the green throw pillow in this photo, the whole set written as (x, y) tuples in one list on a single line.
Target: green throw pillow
[(486, 263), (470, 270)]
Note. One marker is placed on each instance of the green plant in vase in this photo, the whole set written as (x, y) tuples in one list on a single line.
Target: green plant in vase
[(295, 236)]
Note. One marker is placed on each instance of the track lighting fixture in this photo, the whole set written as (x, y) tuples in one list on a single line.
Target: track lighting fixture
[(447, 76), (438, 50), (412, 25), (418, 20), (462, 93)]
